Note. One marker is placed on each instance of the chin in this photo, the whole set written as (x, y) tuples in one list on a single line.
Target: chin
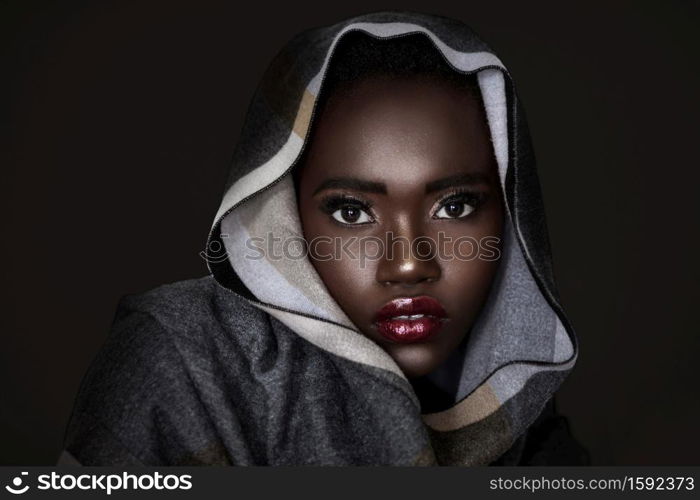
[(415, 360)]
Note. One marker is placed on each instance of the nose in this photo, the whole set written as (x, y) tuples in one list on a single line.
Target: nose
[(408, 261)]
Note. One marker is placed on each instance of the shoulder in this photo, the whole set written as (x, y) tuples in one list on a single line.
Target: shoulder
[(550, 441), (186, 293), (187, 319), (188, 304), (134, 372), (148, 375), (198, 316), (547, 441)]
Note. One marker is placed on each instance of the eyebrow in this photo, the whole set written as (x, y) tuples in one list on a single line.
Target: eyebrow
[(380, 188), (456, 180), (351, 183)]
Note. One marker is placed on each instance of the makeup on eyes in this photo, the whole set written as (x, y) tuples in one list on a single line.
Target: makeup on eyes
[(460, 195), (353, 208), (330, 204)]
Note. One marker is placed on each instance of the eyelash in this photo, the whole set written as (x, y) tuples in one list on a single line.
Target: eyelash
[(330, 204), (460, 195)]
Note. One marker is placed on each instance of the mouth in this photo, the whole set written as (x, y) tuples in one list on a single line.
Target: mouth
[(410, 319)]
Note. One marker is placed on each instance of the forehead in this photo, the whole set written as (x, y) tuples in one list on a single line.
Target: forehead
[(412, 129)]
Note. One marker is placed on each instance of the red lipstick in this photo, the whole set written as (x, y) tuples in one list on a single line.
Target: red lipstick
[(410, 319)]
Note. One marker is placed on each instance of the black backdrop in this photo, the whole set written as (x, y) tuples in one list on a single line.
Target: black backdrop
[(118, 120)]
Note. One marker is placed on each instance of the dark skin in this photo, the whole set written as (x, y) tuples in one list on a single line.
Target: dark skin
[(421, 151)]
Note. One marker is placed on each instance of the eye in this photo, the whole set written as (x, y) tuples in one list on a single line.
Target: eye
[(454, 210), (351, 214), (459, 205), (347, 210)]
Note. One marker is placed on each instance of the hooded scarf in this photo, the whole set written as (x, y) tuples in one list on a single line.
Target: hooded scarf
[(257, 363)]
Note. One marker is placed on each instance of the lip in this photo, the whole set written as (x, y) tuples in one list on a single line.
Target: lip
[(394, 319)]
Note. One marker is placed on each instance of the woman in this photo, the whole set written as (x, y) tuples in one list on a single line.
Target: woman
[(380, 290)]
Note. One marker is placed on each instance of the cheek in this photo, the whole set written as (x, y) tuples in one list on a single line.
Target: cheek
[(347, 266), (467, 242), (468, 284), (469, 258)]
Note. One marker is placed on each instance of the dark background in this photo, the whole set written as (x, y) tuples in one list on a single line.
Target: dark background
[(118, 121)]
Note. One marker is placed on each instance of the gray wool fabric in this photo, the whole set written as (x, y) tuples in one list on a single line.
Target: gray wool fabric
[(256, 364)]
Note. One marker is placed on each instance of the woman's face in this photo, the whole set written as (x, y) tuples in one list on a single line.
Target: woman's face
[(400, 200)]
